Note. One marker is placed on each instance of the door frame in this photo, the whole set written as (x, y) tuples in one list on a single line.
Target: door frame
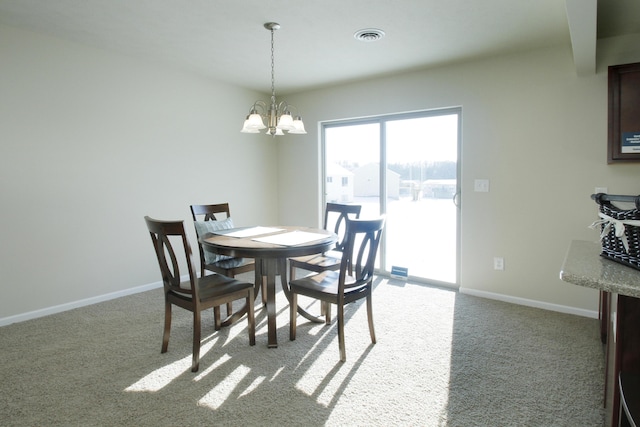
[(381, 120)]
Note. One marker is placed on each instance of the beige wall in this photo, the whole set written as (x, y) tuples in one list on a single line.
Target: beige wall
[(529, 125), (90, 142)]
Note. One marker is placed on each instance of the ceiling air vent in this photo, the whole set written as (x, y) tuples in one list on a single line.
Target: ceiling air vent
[(369, 35)]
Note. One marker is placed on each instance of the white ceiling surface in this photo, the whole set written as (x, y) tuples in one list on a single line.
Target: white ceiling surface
[(226, 40)]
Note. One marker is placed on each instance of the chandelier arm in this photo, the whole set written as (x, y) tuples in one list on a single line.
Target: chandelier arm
[(285, 106), (260, 107)]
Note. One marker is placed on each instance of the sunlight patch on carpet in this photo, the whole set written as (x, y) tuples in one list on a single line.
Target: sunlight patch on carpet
[(162, 377), (221, 392), (253, 386), (219, 362), (276, 373)]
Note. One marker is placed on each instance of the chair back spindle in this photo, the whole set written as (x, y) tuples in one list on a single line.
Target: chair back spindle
[(162, 234), (360, 250), (338, 214)]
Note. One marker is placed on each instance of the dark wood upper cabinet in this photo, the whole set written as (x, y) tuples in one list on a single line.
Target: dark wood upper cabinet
[(624, 113)]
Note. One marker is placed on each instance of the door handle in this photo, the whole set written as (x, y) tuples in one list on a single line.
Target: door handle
[(456, 199)]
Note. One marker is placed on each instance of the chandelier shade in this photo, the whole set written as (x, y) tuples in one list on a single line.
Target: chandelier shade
[(277, 115)]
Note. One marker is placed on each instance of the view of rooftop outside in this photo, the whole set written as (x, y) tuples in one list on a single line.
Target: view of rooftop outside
[(421, 181)]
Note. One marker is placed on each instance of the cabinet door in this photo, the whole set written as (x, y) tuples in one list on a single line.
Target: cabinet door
[(623, 349), (611, 396), (624, 113)]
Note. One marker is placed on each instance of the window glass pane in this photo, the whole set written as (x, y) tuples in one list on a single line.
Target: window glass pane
[(352, 156), (421, 215)]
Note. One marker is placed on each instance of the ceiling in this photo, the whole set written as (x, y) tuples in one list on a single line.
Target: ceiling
[(225, 39)]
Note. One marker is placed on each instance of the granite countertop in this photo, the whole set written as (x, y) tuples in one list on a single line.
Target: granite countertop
[(584, 266)]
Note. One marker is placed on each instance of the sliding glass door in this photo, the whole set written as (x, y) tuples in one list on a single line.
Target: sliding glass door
[(405, 166)]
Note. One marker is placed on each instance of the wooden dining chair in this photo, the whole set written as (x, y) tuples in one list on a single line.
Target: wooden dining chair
[(335, 216), (209, 218), (195, 294), (353, 281)]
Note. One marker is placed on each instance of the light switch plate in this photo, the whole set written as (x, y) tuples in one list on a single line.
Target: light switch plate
[(481, 185)]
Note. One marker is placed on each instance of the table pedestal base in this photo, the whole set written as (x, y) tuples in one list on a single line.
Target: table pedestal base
[(266, 271)]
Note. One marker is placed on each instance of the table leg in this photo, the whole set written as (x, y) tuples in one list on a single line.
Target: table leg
[(265, 271), (269, 269)]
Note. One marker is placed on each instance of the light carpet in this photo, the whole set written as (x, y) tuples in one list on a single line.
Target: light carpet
[(442, 359)]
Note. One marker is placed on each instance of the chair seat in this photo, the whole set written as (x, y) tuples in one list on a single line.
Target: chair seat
[(324, 286), (327, 261), (211, 287), (216, 285)]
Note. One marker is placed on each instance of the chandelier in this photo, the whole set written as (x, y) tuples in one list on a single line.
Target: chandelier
[(278, 115)]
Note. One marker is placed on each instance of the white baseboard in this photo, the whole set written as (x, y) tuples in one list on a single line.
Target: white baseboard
[(531, 303), (106, 297), (76, 304)]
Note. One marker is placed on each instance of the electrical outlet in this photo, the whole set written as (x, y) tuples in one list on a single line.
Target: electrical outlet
[(498, 263)]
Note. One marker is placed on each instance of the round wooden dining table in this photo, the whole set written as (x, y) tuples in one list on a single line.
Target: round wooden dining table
[(270, 247)]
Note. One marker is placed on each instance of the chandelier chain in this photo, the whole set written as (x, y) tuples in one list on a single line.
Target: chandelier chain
[(273, 78)]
